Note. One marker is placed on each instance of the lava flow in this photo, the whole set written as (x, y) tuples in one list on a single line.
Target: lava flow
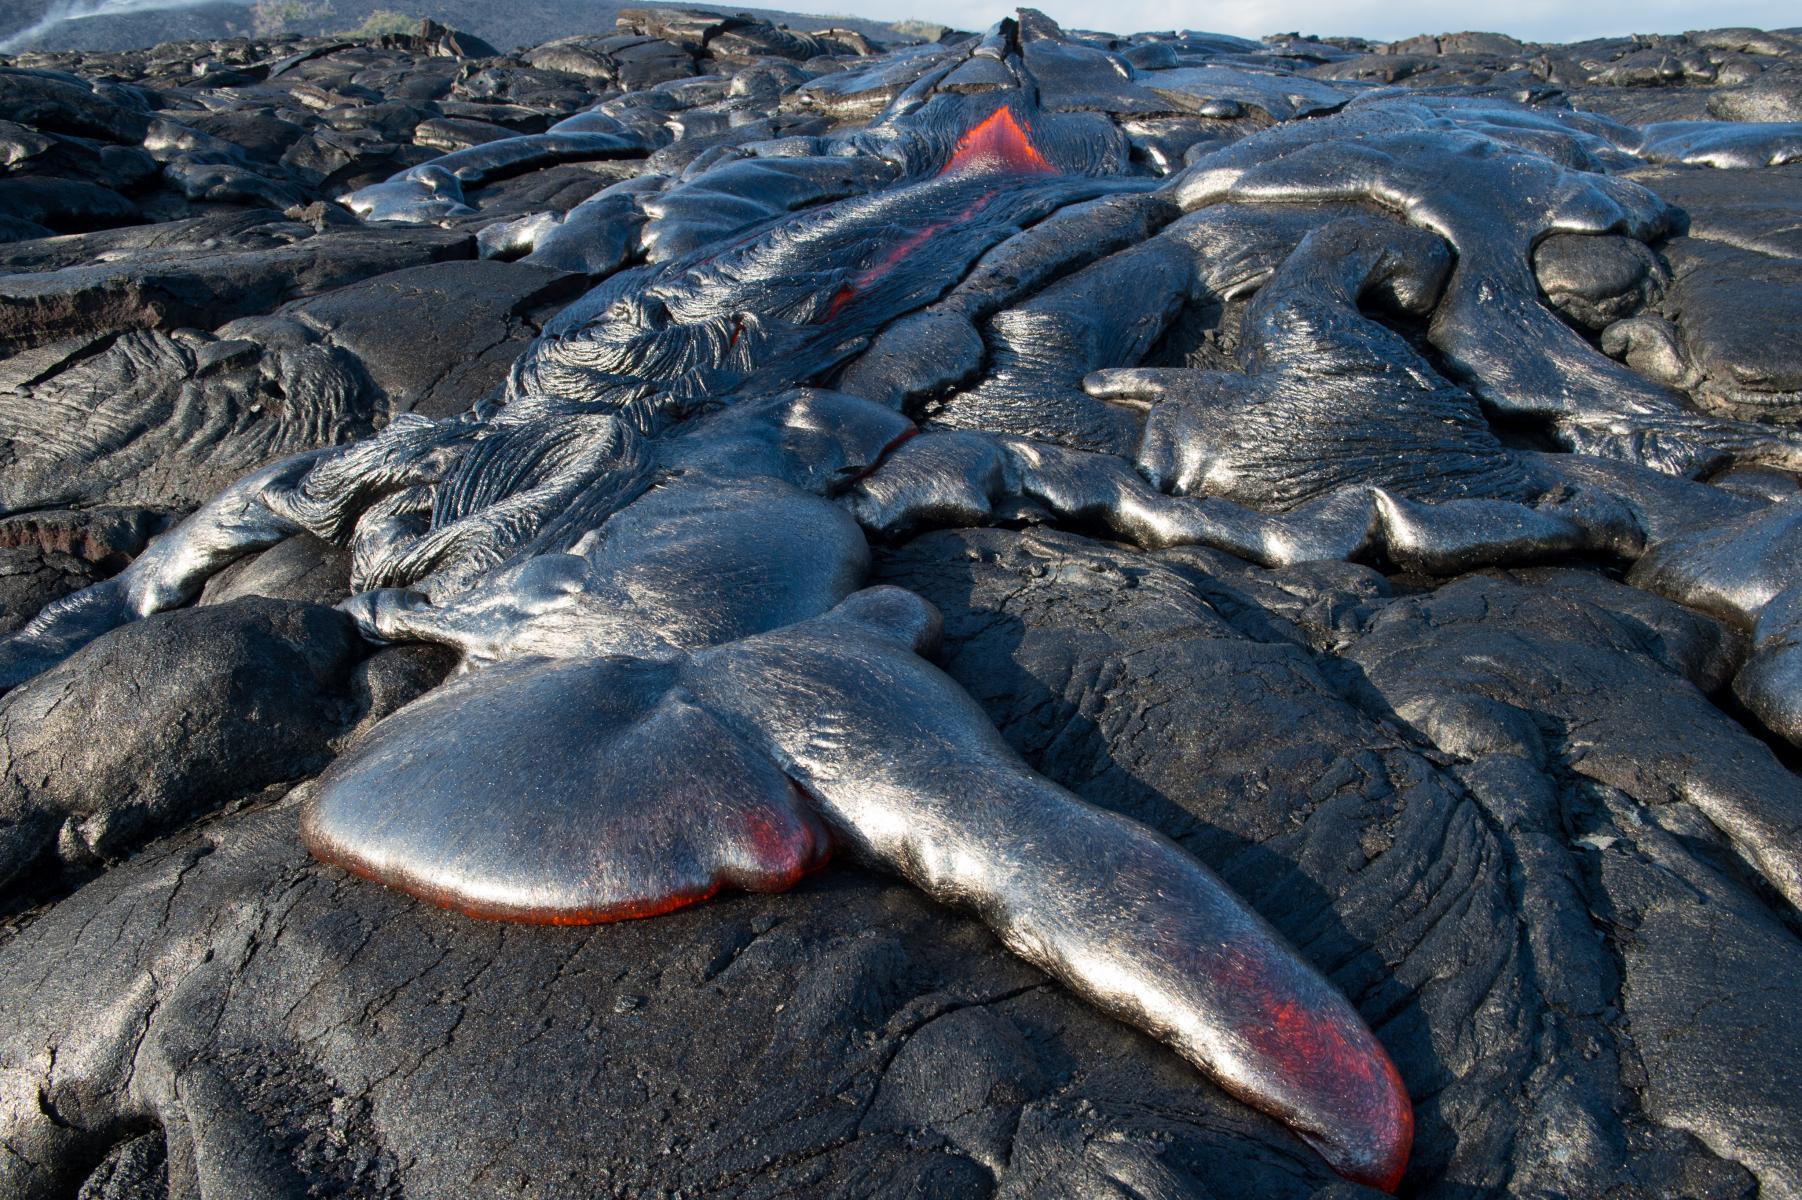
[(1354, 1108), (999, 143), (896, 254)]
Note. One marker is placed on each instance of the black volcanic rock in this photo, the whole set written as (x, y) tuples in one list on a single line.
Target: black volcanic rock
[(432, 339), (31, 577), (203, 286), (255, 691), (176, 418), (1537, 820), (1191, 698), (1737, 284), (824, 1009), (65, 205), (56, 102), (301, 568)]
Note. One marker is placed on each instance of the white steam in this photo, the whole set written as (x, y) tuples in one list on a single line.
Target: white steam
[(62, 11)]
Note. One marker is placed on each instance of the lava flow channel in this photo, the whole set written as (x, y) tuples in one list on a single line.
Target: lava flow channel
[(1000, 144)]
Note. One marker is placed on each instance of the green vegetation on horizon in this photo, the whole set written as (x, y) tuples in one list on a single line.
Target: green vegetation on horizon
[(381, 21)]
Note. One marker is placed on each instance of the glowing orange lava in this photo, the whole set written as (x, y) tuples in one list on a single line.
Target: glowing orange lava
[(999, 143)]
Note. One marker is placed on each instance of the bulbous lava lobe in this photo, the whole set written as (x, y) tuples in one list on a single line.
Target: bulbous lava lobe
[(562, 792), (598, 789)]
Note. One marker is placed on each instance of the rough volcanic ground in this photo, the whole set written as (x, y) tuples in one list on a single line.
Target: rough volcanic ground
[(1489, 806)]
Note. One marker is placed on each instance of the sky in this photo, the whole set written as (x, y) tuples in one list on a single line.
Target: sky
[(1378, 20), (1529, 20)]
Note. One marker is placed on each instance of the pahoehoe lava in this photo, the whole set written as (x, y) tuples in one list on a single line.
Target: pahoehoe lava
[(1294, 538)]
